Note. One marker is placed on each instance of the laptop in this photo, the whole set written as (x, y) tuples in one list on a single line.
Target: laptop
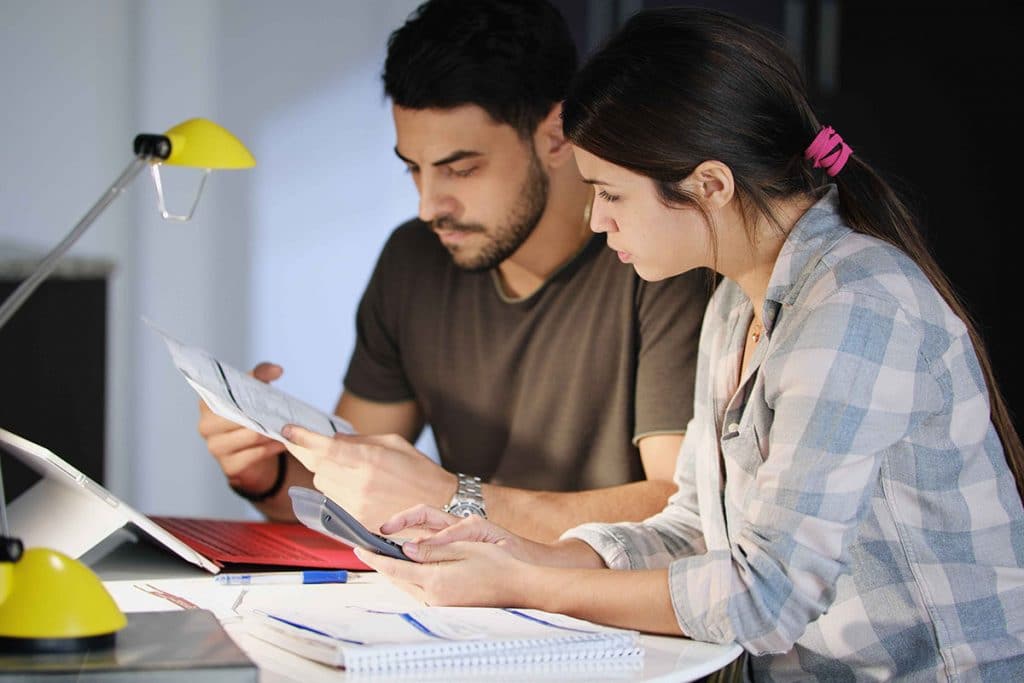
[(69, 512)]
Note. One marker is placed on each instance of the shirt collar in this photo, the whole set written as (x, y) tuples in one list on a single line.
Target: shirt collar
[(812, 236)]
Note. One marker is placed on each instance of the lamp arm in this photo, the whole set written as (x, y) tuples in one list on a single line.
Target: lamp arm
[(10, 548), (4, 529), (25, 289)]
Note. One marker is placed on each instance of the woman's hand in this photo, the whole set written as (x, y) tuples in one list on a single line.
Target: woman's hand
[(470, 561), (448, 528), (459, 573)]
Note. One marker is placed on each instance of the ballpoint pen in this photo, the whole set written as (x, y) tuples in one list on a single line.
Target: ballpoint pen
[(338, 576)]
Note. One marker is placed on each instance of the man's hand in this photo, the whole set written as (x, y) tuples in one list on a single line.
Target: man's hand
[(246, 457), (372, 477)]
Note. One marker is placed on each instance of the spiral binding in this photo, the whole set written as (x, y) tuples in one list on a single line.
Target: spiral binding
[(458, 655)]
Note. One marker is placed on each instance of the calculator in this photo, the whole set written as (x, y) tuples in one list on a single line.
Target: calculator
[(322, 514)]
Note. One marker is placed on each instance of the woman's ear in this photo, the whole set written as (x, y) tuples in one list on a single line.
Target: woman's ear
[(552, 148), (713, 183)]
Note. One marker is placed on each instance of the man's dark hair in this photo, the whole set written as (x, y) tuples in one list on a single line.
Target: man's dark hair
[(512, 58)]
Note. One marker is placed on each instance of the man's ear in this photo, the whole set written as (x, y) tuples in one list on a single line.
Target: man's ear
[(552, 148), (712, 181)]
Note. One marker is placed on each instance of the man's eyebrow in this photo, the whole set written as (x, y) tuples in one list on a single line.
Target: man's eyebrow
[(457, 155)]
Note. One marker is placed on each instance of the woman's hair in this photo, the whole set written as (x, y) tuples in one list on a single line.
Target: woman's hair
[(679, 86)]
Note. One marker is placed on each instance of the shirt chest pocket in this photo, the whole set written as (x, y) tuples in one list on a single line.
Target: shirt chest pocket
[(741, 456), (742, 450)]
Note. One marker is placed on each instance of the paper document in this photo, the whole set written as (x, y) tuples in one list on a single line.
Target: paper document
[(243, 399)]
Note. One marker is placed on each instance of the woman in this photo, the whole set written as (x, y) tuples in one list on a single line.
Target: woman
[(847, 503)]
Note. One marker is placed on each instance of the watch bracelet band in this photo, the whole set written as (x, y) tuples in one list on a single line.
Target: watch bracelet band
[(468, 497), (282, 470)]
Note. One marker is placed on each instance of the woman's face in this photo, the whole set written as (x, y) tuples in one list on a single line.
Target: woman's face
[(659, 241)]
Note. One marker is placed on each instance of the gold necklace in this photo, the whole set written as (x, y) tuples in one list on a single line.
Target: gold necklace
[(756, 330)]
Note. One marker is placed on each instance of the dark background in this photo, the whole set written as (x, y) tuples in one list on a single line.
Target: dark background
[(927, 94), (54, 373)]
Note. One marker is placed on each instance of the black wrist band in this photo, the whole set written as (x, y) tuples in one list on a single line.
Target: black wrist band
[(282, 469)]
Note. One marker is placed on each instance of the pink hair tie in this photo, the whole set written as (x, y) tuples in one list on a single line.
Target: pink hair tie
[(828, 151)]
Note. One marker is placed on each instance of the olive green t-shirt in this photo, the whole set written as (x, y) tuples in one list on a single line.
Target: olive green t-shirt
[(548, 392)]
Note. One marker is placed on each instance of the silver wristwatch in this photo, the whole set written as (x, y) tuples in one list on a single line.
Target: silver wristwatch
[(468, 499)]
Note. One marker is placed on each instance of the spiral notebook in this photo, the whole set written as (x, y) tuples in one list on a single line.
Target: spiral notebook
[(367, 640)]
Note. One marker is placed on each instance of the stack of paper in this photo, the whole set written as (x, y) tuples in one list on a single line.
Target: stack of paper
[(359, 639)]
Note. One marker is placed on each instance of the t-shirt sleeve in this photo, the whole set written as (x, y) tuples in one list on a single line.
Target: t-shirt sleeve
[(669, 319), (375, 370)]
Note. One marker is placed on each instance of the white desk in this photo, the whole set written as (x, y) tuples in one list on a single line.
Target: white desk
[(665, 659)]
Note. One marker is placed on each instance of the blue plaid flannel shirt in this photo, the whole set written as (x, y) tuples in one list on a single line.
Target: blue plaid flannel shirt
[(844, 510)]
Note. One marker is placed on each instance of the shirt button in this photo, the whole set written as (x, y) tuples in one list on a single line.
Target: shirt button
[(734, 427)]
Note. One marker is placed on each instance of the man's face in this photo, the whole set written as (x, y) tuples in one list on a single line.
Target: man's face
[(482, 188)]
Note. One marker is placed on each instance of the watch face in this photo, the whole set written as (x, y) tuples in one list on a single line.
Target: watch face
[(465, 509)]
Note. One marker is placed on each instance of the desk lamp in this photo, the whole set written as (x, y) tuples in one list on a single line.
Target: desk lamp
[(50, 602)]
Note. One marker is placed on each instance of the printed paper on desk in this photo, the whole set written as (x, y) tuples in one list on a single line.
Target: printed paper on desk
[(243, 399), (360, 639)]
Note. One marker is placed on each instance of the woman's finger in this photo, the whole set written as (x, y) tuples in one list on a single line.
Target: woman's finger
[(423, 516), (470, 528), (397, 570)]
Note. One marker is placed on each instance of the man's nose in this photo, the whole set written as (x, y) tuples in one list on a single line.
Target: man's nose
[(435, 202)]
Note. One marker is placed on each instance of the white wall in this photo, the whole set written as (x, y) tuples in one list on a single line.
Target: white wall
[(273, 263)]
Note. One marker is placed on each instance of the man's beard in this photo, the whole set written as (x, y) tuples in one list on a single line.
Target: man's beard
[(507, 238)]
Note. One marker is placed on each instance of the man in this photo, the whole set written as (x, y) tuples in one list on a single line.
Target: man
[(544, 366)]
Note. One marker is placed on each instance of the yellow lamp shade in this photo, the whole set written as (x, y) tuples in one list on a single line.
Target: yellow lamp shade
[(201, 143), (55, 600), (6, 579)]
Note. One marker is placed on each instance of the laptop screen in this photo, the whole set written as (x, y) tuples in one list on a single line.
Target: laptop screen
[(69, 512)]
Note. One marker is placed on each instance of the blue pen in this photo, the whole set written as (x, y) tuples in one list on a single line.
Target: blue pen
[(338, 576)]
